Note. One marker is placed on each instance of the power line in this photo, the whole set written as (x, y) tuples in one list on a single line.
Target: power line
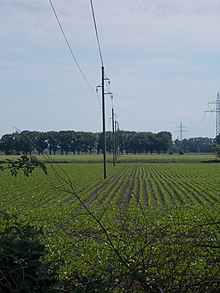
[(96, 32), (106, 81), (103, 95), (204, 126), (70, 49), (97, 93)]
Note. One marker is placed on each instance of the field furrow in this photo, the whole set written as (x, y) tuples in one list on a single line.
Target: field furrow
[(125, 196)]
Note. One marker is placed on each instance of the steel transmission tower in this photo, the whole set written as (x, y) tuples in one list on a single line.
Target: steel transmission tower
[(181, 131), (217, 111)]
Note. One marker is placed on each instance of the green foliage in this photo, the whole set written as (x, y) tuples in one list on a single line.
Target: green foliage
[(21, 269), (24, 163), (217, 139), (154, 250), (84, 142), (217, 150), (148, 227), (195, 145), (20, 249)]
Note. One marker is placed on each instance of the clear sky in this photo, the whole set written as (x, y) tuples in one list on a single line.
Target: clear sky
[(162, 56)]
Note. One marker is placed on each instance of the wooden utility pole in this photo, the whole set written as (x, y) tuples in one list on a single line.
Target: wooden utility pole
[(103, 123), (116, 146), (113, 134)]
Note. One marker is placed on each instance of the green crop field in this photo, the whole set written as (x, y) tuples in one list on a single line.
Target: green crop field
[(142, 158), (152, 226)]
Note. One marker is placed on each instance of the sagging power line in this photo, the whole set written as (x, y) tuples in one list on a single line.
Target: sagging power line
[(104, 80), (96, 32), (69, 47)]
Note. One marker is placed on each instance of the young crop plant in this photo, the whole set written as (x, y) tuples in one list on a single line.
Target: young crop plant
[(120, 235), (21, 269)]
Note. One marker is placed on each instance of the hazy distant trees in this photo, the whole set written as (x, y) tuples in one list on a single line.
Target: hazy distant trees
[(217, 146), (195, 145), (7, 143), (77, 142), (53, 142), (217, 139)]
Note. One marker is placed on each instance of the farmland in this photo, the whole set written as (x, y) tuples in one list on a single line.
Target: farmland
[(153, 223)]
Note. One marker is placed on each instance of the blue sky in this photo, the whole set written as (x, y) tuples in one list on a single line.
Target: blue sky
[(162, 56)]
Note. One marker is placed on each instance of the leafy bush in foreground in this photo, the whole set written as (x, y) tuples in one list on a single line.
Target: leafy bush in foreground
[(20, 252)]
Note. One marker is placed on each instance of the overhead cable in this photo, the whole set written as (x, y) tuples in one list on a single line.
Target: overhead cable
[(70, 49), (96, 32)]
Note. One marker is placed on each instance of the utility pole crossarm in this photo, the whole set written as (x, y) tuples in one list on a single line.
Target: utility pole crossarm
[(102, 86)]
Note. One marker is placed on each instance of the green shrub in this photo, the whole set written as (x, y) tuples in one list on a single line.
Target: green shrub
[(21, 269)]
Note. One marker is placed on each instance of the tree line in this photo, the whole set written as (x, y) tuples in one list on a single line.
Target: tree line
[(195, 145), (217, 145), (76, 142)]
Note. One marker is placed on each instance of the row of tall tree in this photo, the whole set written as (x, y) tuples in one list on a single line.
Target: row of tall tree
[(217, 145), (195, 145), (77, 142)]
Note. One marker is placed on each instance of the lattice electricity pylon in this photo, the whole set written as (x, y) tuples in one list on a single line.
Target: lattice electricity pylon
[(181, 131), (217, 111)]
